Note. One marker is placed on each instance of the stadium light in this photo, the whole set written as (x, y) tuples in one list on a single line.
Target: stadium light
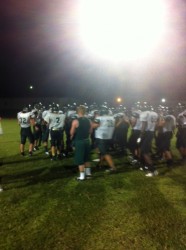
[(163, 100), (122, 29), (118, 100)]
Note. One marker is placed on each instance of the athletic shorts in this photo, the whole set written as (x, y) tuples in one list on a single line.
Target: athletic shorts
[(181, 138), (26, 133), (132, 142), (37, 132), (166, 141), (56, 136), (146, 142), (82, 151), (158, 141), (103, 145)]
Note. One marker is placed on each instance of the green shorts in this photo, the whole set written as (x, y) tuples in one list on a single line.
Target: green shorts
[(82, 151)]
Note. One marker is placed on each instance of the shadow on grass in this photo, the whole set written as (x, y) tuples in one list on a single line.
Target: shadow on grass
[(159, 218), (40, 175), (73, 219), (180, 179), (22, 159), (48, 172)]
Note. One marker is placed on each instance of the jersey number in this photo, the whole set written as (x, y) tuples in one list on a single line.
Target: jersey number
[(57, 119), (109, 123), (22, 120)]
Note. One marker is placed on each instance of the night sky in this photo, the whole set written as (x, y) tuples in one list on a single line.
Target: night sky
[(40, 46)]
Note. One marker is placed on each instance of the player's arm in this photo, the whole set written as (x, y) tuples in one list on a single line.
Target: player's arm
[(32, 119), (143, 127), (91, 127), (133, 121), (47, 119), (18, 119), (95, 123), (174, 126), (73, 128), (118, 121)]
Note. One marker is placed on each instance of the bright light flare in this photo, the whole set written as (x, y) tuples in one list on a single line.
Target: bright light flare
[(118, 100), (122, 29), (163, 100)]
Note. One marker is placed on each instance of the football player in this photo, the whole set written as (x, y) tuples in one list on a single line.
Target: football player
[(25, 119), (136, 126), (149, 120), (181, 135), (45, 128), (70, 116), (120, 133), (37, 126), (80, 131), (55, 121), (105, 125), (168, 129)]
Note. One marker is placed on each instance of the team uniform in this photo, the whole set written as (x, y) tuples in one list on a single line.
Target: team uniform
[(37, 130), (70, 116), (167, 134), (56, 124), (81, 141), (24, 119), (181, 134), (44, 127), (104, 133), (149, 118), (159, 135), (135, 132), (167, 131), (45, 130), (80, 134), (92, 114), (121, 132), (105, 126)]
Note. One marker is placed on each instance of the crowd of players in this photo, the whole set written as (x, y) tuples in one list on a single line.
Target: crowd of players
[(125, 131)]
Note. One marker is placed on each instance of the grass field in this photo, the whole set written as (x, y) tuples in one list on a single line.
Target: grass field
[(44, 207)]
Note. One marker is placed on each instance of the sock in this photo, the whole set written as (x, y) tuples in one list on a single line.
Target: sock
[(82, 175), (88, 171)]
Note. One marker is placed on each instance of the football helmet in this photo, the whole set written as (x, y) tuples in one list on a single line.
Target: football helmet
[(104, 110), (25, 109), (55, 108)]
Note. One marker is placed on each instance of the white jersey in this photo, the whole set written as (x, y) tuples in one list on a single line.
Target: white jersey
[(45, 113), (24, 119), (136, 117), (55, 120), (151, 118), (182, 119), (106, 128), (170, 123), (71, 113)]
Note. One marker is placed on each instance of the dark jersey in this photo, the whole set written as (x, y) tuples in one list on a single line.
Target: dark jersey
[(83, 130)]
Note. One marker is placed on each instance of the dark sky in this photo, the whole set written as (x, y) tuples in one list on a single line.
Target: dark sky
[(40, 46)]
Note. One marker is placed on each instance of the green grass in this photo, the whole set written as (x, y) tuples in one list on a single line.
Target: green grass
[(43, 207)]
